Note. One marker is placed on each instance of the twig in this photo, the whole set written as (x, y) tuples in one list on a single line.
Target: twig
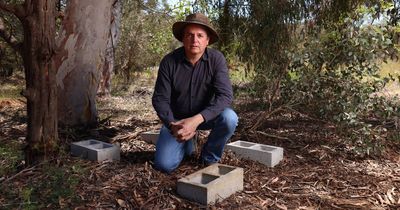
[(105, 119), (22, 101), (264, 116), (277, 86), (125, 136), (148, 201), (19, 204), (307, 116), (19, 173), (273, 136)]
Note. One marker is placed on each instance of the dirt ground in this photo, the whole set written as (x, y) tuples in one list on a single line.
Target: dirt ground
[(317, 172)]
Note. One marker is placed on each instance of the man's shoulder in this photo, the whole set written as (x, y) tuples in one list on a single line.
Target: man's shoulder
[(215, 54), (174, 55)]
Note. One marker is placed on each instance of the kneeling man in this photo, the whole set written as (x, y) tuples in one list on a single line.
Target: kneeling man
[(193, 91)]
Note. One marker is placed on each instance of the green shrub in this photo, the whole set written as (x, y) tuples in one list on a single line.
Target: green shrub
[(336, 76)]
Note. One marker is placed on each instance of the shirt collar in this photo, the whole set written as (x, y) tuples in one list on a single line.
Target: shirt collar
[(205, 55), (181, 54)]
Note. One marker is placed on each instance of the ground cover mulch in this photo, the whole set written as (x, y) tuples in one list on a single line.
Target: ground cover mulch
[(318, 170)]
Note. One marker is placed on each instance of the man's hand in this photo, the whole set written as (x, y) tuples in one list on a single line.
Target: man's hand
[(185, 129)]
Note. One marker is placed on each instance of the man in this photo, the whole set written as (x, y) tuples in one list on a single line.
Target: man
[(193, 91)]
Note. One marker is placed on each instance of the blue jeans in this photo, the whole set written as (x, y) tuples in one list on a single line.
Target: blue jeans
[(170, 153)]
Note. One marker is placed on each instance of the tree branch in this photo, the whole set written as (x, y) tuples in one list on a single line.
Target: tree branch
[(15, 9), (8, 37), (7, 7)]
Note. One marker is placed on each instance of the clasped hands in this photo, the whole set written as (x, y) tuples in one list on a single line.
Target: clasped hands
[(183, 130)]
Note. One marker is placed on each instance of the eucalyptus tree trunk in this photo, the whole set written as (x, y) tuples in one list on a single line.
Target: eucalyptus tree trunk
[(37, 51), (108, 68), (80, 59)]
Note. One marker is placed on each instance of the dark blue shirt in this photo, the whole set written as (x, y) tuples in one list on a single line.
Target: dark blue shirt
[(183, 90)]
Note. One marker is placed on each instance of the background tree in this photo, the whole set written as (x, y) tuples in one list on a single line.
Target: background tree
[(113, 38), (73, 63), (145, 36), (314, 57), (80, 59), (37, 49), (10, 32)]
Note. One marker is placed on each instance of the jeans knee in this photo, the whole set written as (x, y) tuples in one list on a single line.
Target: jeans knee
[(230, 119), (164, 165)]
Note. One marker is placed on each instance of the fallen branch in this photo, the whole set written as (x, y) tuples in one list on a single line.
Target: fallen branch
[(19, 173), (307, 116), (263, 117), (18, 204), (273, 136)]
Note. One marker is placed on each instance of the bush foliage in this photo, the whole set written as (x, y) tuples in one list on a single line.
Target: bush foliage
[(320, 58)]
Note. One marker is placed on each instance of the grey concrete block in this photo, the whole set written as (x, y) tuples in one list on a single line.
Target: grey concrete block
[(95, 150), (150, 137), (211, 184), (265, 154)]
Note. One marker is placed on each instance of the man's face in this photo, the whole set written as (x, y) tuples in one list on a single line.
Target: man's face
[(195, 40)]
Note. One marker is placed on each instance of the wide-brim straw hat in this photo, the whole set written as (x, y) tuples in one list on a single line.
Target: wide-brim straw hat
[(196, 18)]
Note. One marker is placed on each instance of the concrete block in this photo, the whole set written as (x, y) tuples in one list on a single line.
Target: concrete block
[(211, 184), (150, 137), (265, 154), (95, 150)]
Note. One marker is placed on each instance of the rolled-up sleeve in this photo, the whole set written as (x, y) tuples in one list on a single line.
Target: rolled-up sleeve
[(222, 88), (161, 99)]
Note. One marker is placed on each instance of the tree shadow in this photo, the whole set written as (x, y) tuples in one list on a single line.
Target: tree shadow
[(138, 157)]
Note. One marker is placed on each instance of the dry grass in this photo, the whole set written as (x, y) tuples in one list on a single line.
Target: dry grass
[(392, 68), (12, 86)]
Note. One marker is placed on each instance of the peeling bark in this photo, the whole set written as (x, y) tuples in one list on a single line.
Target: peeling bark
[(82, 43)]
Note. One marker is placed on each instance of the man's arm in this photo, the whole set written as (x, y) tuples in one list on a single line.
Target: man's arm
[(162, 94), (223, 89)]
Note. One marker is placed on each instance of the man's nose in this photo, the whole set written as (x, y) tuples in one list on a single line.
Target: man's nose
[(195, 38)]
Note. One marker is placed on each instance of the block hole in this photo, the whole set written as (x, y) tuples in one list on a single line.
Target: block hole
[(244, 144), (222, 170), (101, 146), (263, 147), (204, 178), (89, 142)]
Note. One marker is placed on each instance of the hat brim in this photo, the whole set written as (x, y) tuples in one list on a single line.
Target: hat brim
[(178, 27)]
